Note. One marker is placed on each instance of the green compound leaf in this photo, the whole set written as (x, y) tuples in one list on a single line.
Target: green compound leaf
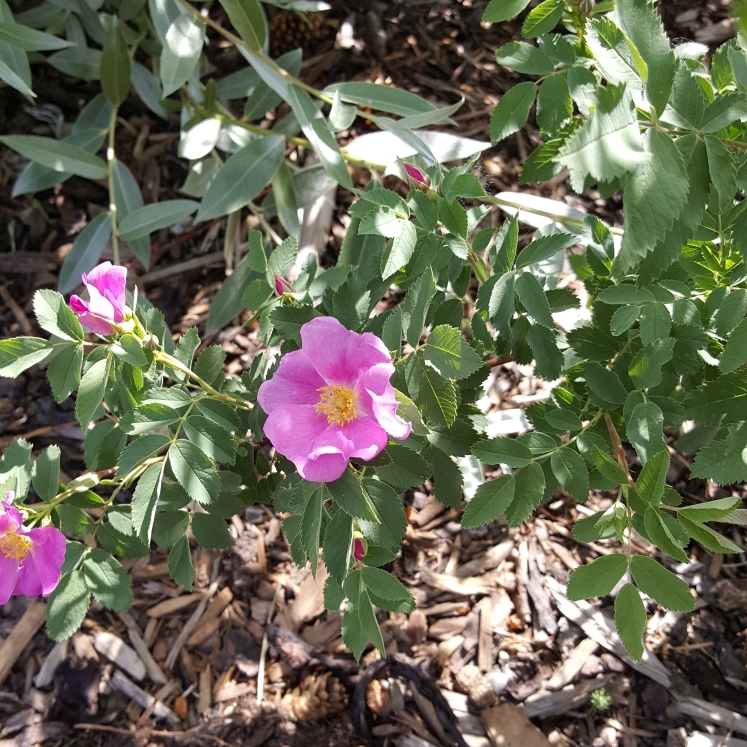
[(67, 606), (108, 581), (19, 353), (91, 391), (597, 579), (491, 500), (55, 316), (512, 111), (570, 470), (506, 451), (644, 430), (194, 471), (724, 461), (434, 394), (528, 494), (661, 585), (180, 564), (337, 549), (630, 620)]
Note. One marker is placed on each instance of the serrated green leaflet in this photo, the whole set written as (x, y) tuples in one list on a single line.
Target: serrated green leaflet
[(56, 317), (107, 580), (644, 430), (180, 564), (337, 549), (653, 478), (67, 606), (597, 579), (724, 461), (570, 471), (194, 471), (512, 111), (503, 10), (491, 500), (661, 585), (630, 620), (19, 353), (451, 354), (91, 391), (530, 488), (430, 390)]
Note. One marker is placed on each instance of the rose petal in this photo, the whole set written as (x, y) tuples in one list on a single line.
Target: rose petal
[(323, 468), (11, 520), (366, 438), (102, 307), (295, 382), (9, 569), (111, 283), (48, 555), (293, 430)]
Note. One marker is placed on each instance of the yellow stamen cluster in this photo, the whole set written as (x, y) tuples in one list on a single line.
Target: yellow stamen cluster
[(338, 404), (15, 546)]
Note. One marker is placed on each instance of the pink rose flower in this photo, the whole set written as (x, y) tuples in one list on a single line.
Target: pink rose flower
[(106, 290), (358, 549), (30, 559), (331, 400)]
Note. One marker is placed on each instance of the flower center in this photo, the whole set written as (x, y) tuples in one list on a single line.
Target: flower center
[(15, 546), (338, 404)]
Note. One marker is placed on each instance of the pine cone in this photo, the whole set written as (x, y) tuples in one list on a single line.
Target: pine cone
[(316, 697)]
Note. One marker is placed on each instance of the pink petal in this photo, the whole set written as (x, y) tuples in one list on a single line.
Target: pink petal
[(111, 282), (95, 325), (78, 305), (45, 558), (381, 401), (358, 550), (102, 307), (293, 430), (414, 173), (296, 382), (9, 569), (11, 520), (338, 354), (323, 468), (366, 438)]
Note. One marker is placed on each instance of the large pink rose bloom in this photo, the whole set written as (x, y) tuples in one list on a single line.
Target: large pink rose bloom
[(331, 400), (30, 559), (106, 285)]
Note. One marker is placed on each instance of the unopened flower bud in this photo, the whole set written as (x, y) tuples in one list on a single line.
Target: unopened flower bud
[(358, 550), (150, 341), (282, 286), (417, 178)]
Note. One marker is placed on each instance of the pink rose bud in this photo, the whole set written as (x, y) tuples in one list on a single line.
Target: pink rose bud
[(331, 400), (30, 559), (106, 305), (282, 286), (358, 549), (416, 175)]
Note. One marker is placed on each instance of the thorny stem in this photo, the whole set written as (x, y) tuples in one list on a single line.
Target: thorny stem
[(110, 160)]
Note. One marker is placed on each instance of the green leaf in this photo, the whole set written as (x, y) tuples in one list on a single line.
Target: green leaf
[(145, 220), (212, 440), (107, 580), (644, 430), (337, 549), (423, 209), (288, 320), (448, 478), (347, 492), (430, 390), (528, 494), (655, 195), (78, 62), (382, 98), (415, 308), (450, 353), (570, 470), (57, 155), (524, 58), (735, 350), (311, 523), (724, 461), (46, 475), (500, 303), (399, 249), (533, 298), (249, 20), (512, 111), (86, 252), (91, 391), (182, 46), (608, 145), (597, 579), (663, 535), (542, 19), (11, 77), (115, 66), (723, 399), (608, 466), (613, 55), (716, 510), (643, 26), (211, 532), (138, 451), (506, 451), (731, 311), (604, 383), (55, 316), (543, 248), (281, 260), (390, 529), (661, 585), (548, 359), (19, 353), (359, 625), (711, 540), (655, 322), (169, 527), (386, 587), (242, 178), (405, 469), (491, 500), (180, 564), (228, 301), (319, 135), (554, 105), (130, 350), (67, 606), (645, 368), (28, 39), (630, 620), (194, 471), (145, 418), (220, 413), (503, 10), (144, 500), (351, 303), (74, 521), (652, 481), (723, 111)]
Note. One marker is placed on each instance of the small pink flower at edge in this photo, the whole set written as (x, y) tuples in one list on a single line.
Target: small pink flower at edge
[(358, 549), (106, 285), (30, 559), (282, 286), (415, 174), (331, 400)]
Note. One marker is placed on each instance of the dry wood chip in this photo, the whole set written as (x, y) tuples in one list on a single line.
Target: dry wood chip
[(507, 726), (566, 673), (447, 627), (461, 586), (36, 734), (700, 739), (143, 699), (169, 606), (118, 652), (702, 710), (544, 704), (490, 559), (51, 662), (23, 631), (206, 694), (154, 671), (210, 621), (309, 601)]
